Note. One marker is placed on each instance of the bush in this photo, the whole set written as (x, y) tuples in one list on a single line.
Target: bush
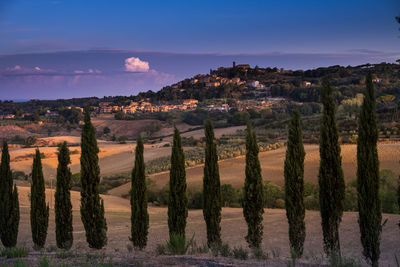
[(106, 130), (311, 202), (161, 249), (272, 192), (18, 263), (259, 254), (122, 139), (19, 175), (17, 139), (240, 253), (14, 252), (44, 262), (195, 199), (279, 203), (222, 249), (230, 196), (388, 191), (199, 249), (225, 250), (336, 260), (63, 254), (177, 244)]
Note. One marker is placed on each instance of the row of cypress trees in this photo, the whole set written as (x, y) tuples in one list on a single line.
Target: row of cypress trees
[(331, 179), (331, 184), (92, 207), (212, 203)]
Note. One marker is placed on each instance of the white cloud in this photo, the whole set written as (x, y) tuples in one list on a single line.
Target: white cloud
[(37, 68), (15, 68), (89, 71), (134, 64)]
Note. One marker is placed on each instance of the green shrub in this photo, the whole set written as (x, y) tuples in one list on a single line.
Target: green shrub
[(51, 248), (18, 263), (311, 202), (222, 249), (336, 261), (272, 192), (161, 249), (14, 252), (44, 262), (64, 254), (203, 249), (230, 196), (259, 254), (240, 253), (225, 250), (195, 249), (177, 244), (195, 199)]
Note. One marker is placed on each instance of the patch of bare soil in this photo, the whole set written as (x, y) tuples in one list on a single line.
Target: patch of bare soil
[(128, 128), (8, 131)]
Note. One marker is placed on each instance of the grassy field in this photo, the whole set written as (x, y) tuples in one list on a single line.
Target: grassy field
[(113, 158), (275, 239), (232, 170)]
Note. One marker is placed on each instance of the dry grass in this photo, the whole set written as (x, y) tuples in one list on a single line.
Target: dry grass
[(233, 230), (232, 170), (113, 158), (129, 128)]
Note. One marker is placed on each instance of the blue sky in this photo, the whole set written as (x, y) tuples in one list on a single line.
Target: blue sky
[(53, 49)]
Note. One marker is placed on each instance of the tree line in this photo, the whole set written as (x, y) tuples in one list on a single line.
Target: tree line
[(330, 179)]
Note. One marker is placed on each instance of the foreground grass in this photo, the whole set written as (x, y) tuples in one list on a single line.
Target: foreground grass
[(15, 252), (233, 229)]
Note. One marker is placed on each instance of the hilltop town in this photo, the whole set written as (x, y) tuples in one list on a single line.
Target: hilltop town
[(229, 95)]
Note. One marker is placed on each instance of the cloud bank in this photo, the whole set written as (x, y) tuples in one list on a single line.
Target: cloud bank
[(134, 64)]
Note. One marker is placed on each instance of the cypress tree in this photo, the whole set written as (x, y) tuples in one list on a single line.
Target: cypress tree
[(369, 202), (294, 185), (211, 188), (177, 204), (9, 204), (63, 207), (253, 203), (139, 214), (39, 209), (330, 177), (92, 206)]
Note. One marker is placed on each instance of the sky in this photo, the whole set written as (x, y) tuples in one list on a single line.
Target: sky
[(73, 48)]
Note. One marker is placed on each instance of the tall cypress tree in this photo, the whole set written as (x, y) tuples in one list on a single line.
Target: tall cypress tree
[(39, 209), (369, 202), (294, 185), (92, 206), (139, 214), (9, 204), (253, 203), (177, 204), (330, 177), (63, 207), (211, 188)]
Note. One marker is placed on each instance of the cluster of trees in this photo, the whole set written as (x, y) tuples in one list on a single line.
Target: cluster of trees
[(92, 207)]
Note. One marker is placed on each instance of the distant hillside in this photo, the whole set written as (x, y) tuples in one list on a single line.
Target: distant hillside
[(244, 82)]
